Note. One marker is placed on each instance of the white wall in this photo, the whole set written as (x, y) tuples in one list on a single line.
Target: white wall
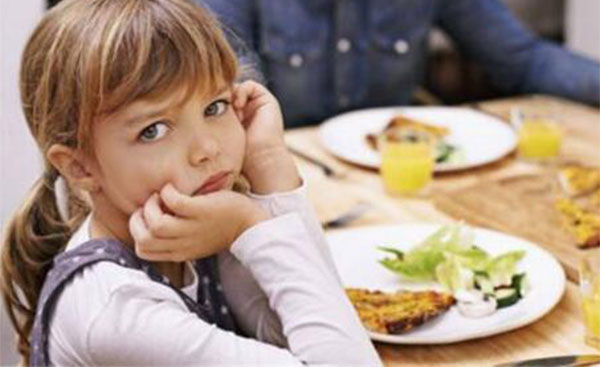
[(582, 27), (19, 161)]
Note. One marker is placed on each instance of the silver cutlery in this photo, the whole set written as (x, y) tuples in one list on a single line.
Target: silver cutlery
[(567, 361), (327, 169), (352, 214), (516, 118)]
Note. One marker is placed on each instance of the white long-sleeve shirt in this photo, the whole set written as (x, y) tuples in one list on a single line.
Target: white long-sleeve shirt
[(279, 281)]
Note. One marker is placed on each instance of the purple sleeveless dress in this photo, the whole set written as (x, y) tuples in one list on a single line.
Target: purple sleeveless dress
[(211, 306)]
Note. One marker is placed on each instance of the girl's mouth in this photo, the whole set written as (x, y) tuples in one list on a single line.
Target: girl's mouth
[(214, 183)]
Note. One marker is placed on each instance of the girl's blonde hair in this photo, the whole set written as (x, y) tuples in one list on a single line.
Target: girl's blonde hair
[(87, 58)]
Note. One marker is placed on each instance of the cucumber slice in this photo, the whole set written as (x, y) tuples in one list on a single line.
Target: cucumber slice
[(443, 152), (506, 296), (520, 282)]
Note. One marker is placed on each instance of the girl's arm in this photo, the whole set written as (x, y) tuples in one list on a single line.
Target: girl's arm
[(268, 164), (247, 300), (318, 321)]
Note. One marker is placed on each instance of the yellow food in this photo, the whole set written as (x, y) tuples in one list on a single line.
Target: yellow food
[(584, 224), (396, 313), (578, 180), (401, 126)]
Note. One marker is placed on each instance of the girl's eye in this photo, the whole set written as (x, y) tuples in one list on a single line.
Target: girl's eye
[(216, 108), (154, 132)]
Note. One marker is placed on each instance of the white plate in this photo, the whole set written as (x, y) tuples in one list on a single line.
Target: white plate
[(356, 258), (482, 137)]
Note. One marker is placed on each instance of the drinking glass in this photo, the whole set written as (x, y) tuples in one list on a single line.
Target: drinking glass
[(589, 287), (540, 136), (407, 165)]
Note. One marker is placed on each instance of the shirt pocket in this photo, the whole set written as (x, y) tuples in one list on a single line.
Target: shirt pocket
[(399, 27), (292, 43), (397, 41)]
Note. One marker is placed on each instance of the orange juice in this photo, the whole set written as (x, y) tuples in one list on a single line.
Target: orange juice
[(589, 284), (591, 315), (406, 167), (539, 138)]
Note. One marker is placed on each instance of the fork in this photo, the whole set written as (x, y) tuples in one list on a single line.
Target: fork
[(350, 215), (328, 170)]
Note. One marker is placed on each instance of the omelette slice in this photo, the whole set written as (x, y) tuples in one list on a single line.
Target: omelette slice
[(579, 180), (399, 126), (396, 313), (583, 223)]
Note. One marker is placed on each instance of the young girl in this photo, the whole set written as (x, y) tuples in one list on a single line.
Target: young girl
[(134, 107)]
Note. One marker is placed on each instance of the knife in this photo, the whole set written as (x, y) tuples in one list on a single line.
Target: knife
[(570, 361)]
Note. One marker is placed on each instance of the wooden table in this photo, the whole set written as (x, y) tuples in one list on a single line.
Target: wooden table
[(557, 333)]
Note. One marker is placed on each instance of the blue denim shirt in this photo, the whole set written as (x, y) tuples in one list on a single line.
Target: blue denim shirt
[(323, 57)]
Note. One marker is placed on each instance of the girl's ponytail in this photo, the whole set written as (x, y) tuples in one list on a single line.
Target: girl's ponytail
[(35, 234)]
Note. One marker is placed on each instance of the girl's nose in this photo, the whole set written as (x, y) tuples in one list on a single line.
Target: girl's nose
[(203, 148)]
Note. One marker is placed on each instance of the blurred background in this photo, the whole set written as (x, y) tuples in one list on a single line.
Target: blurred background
[(451, 78)]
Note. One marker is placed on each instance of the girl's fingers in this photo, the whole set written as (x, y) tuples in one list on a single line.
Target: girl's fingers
[(255, 104), (248, 91), (180, 204), (239, 102), (241, 96), (159, 223), (241, 116), (137, 227), (146, 245)]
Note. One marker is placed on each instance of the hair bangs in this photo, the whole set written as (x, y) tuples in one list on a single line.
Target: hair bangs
[(160, 48)]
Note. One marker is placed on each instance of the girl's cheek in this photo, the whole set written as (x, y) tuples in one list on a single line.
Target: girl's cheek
[(151, 178)]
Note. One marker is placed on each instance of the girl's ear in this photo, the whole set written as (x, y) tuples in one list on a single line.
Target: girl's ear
[(73, 167)]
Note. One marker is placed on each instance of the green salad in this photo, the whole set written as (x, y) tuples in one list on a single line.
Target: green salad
[(450, 257), (448, 153)]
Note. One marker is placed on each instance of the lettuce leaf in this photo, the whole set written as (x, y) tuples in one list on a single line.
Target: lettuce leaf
[(453, 276), (449, 256), (502, 267)]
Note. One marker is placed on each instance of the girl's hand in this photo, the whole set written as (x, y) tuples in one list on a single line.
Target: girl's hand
[(191, 227), (268, 165)]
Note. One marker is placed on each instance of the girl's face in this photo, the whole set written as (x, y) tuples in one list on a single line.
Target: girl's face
[(198, 146)]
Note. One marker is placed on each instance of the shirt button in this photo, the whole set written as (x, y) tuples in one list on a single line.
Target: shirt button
[(344, 45), (401, 46), (296, 60), (343, 101)]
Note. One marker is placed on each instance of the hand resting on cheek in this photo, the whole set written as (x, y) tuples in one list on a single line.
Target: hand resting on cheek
[(172, 226)]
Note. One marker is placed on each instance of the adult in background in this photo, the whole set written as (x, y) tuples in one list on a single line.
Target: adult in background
[(323, 57)]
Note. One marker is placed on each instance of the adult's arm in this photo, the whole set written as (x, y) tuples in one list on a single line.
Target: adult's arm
[(516, 60)]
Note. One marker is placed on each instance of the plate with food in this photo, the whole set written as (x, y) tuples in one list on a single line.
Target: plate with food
[(431, 284), (464, 138)]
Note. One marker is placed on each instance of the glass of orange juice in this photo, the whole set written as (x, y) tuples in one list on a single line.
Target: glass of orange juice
[(589, 286), (407, 163), (540, 137)]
